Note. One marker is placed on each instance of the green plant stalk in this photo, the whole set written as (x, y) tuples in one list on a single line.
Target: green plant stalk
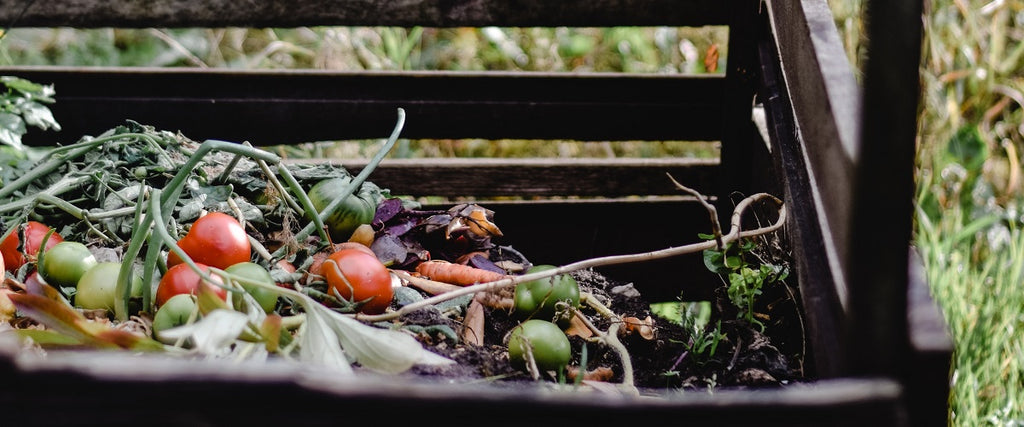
[(60, 187), (140, 232), (280, 188), (611, 339), (177, 184), (153, 252), (350, 188), (223, 177), (41, 260), (51, 164), (253, 332), (307, 205), (74, 211)]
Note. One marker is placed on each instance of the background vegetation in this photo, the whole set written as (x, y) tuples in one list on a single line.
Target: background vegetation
[(969, 204)]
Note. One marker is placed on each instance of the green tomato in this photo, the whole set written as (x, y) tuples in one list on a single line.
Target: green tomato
[(65, 263), (266, 298), (537, 298), (97, 287), (357, 209), (544, 340), (175, 312)]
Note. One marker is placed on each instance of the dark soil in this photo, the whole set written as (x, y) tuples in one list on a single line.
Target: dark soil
[(745, 357)]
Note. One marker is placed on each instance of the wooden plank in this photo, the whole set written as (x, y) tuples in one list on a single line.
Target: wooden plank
[(292, 106), (139, 380), (931, 344), (882, 209), (824, 313), (536, 177), (291, 13), (825, 99)]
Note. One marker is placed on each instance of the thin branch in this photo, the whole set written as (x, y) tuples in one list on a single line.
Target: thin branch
[(735, 233), (716, 227)]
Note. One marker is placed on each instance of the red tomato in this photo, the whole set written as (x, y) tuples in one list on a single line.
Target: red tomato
[(358, 276), (180, 279), (16, 256), (217, 240)]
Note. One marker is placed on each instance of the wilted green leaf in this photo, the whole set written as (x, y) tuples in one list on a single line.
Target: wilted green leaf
[(213, 334), (38, 115), (12, 127), (319, 343)]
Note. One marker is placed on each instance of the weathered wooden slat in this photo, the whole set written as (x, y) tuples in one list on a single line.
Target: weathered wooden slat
[(818, 292), (882, 208), (826, 104), (562, 177), (284, 107), (931, 350), (292, 13), (139, 380)]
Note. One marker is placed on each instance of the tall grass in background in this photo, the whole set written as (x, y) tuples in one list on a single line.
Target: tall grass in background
[(969, 217), (969, 223), (642, 50)]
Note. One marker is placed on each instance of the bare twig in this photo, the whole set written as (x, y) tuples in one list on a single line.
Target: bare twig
[(716, 227), (735, 233), (432, 287)]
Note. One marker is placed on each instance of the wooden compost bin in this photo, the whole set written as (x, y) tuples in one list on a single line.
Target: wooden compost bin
[(839, 153)]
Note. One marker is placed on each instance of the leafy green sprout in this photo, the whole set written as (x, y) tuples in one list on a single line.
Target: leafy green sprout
[(694, 317), (746, 280)]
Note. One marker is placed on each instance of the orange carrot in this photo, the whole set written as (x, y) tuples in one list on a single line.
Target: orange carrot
[(601, 373), (456, 274)]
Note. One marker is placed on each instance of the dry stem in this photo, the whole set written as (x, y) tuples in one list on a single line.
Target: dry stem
[(735, 233)]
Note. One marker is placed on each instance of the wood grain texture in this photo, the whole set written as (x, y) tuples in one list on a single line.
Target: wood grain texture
[(537, 177), (290, 13), (826, 103), (293, 106), (818, 293)]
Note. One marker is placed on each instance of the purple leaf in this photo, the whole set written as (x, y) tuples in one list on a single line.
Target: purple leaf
[(386, 211), (479, 261), (389, 249)]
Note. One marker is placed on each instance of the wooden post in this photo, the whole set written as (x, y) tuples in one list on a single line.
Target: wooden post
[(882, 217)]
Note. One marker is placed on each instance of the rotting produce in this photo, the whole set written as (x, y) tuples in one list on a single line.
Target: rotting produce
[(308, 262)]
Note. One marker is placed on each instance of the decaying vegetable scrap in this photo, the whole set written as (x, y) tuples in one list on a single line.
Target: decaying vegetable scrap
[(325, 267)]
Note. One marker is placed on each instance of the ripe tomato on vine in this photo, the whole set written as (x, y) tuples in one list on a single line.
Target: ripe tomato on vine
[(215, 239), (15, 254), (359, 276)]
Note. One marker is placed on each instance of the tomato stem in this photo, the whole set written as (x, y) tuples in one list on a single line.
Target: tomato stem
[(55, 160), (65, 184), (351, 187), (140, 232)]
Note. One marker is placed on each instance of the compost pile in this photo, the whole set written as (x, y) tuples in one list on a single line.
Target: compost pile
[(147, 204)]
